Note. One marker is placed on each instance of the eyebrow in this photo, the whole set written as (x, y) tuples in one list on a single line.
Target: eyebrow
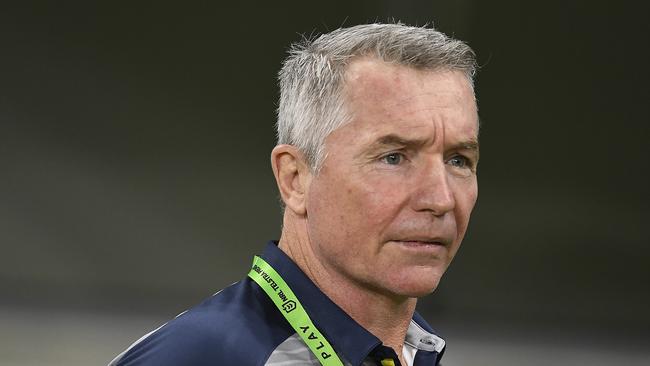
[(471, 144), (395, 140)]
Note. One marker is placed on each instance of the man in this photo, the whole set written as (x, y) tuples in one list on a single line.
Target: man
[(376, 167)]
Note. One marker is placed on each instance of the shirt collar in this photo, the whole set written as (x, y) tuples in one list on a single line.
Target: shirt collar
[(421, 336), (348, 338)]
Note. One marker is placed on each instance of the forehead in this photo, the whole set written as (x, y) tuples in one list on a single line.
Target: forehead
[(388, 96)]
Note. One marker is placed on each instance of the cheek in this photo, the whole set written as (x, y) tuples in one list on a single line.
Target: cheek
[(465, 200), (377, 202), (352, 210)]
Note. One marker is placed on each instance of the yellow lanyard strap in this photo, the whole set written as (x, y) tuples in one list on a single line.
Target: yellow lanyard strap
[(289, 306)]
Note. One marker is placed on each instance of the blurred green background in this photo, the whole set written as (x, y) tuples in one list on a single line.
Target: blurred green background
[(135, 177)]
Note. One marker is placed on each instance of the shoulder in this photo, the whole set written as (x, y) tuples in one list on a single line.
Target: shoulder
[(222, 329)]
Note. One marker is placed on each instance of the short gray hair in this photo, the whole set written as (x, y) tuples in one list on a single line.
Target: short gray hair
[(311, 80)]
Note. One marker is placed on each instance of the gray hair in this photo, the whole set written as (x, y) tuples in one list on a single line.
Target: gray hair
[(312, 77)]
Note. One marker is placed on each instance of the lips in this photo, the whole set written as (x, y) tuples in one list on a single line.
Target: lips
[(423, 241), (420, 242)]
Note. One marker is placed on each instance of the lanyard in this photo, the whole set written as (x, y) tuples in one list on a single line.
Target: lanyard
[(289, 306)]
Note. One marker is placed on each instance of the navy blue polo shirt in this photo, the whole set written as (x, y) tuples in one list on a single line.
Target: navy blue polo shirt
[(241, 326)]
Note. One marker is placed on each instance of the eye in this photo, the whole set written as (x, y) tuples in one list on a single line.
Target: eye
[(459, 161), (392, 158)]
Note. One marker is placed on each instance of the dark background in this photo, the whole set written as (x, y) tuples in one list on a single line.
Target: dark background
[(135, 141)]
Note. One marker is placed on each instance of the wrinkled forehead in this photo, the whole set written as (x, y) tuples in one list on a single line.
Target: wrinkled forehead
[(371, 81), (376, 87)]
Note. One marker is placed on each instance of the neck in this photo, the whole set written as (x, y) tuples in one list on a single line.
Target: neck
[(384, 315)]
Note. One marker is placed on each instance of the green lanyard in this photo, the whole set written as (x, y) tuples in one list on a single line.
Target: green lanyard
[(287, 302)]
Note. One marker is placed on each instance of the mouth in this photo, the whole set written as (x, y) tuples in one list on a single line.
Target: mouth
[(419, 243), (421, 248), (422, 242)]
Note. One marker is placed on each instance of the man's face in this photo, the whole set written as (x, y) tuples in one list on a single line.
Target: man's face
[(390, 205)]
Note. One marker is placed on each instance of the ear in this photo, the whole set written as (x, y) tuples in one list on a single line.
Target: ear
[(292, 174)]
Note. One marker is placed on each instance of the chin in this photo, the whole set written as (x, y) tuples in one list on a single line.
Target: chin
[(418, 290), (416, 285)]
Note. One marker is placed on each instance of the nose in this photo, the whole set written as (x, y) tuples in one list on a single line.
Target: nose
[(433, 190)]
